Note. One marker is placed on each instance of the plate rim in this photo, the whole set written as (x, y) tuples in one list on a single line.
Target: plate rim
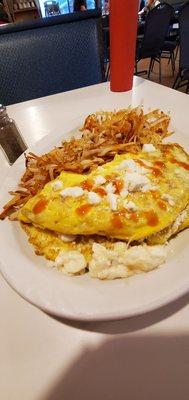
[(80, 316)]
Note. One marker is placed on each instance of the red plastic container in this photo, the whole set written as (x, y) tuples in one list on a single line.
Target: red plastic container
[(123, 31)]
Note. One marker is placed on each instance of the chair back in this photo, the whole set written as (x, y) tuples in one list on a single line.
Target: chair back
[(50, 55), (156, 28), (184, 37)]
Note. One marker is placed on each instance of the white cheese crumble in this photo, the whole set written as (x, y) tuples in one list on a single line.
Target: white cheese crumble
[(71, 262), (132, 166), (110, 188), (124, 192), (74, 191), (148, 187), (179, 220), (99, 180), (135, 182), (94, 198), (67, 238), (168, 198), (112, 199), (148, 148), (130, 205), (57, 185), (122, 262)]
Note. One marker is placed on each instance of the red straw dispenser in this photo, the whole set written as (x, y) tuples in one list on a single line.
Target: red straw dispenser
[(123, 31)]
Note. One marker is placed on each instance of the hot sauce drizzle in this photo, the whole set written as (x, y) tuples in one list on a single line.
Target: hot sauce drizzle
[(87, 185), (116, 221), (180, 163), (100, 190), (159, 164), (155, 195), (134, 216), (40, 206), (162, 205), (156, 172), (118, 185), (84, 209), (152, 218)]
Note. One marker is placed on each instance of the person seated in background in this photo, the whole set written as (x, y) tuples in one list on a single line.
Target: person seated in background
[(106, 7), (3, 15), (150, 4), (80, 5)]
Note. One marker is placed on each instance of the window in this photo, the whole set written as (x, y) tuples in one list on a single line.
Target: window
[(57, 7)]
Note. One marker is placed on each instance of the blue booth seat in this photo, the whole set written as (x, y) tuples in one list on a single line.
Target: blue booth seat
[(50, 55)]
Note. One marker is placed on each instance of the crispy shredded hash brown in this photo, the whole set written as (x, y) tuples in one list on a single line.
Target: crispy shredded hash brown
[(104, 134)]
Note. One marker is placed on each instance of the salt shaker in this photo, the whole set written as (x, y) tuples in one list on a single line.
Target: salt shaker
[(11, 140)]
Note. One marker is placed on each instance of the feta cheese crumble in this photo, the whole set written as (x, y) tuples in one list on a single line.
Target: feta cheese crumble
[(148, 148), (99, 180), (168, 198), (135, 182), (130, 205), (124, 192), (112, 199), (179, 220), (122, 262), (131, 166), (71, 262), (110, 188), (74, 191), (67, 238), (94, 198), (56, 185)]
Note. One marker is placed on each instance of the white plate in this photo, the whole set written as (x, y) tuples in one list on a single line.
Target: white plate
[(84, 298)]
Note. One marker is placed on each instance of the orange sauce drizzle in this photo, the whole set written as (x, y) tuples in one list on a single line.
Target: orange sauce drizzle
[(116, 221), (156, 172), (134, 216), (84, 209), (159, 164), (140, 162), (40, 206), (110, 177), (118, 185), (180, 163), (152, 218), (87, 185), (100, 190), (155, 195), (162, 205)]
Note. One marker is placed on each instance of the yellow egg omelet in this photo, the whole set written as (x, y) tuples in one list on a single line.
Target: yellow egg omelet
[(131, 198)]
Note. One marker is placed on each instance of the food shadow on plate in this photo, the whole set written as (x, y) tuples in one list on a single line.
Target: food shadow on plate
[(131, 324), (138, 366)]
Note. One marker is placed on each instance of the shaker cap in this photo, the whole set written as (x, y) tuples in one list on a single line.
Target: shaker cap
[(3, 111)]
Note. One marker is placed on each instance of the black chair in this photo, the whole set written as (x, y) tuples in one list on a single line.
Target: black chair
[(182, 78), (171, 47), (50, 55), (156, 28)]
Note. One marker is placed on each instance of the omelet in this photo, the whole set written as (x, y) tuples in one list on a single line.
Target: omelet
[(181, 223), (103, 258), (49, 244), (130, 198)]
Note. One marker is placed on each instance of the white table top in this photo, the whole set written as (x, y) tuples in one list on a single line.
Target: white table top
[(41, 358)]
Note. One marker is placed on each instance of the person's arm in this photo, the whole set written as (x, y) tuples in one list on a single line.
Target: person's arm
[(143, 11)]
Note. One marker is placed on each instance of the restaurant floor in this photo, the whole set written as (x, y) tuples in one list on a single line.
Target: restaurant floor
[(167, 77)]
